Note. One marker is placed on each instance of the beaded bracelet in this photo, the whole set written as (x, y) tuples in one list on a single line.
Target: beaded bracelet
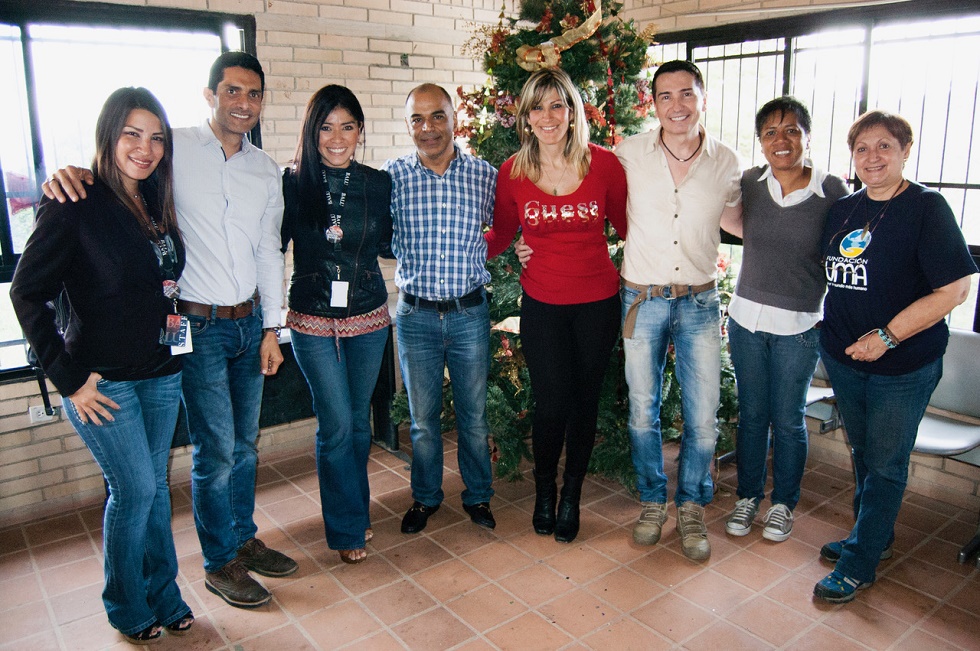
[(887, 337)]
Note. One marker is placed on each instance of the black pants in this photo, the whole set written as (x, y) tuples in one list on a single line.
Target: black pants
[(567, 348)]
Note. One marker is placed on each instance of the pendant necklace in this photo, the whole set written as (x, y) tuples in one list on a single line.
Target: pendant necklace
[(678, 159), (868, 228), (554, 188)]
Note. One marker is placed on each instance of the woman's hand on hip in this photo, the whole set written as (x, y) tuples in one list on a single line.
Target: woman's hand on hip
[(867, 349), (90, 404)]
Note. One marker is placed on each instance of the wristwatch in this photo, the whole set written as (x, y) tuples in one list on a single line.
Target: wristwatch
[(275, 329)]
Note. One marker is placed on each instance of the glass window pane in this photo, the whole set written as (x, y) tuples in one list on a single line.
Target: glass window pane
[(16, 154), (13, 352)]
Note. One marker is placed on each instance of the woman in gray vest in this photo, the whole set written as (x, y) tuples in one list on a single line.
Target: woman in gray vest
[(775, 311)]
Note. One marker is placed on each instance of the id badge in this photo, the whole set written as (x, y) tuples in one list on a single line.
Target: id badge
[(338, 293), (177, 334)]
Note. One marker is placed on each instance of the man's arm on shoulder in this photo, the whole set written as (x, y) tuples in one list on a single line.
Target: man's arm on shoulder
[(68, 183)]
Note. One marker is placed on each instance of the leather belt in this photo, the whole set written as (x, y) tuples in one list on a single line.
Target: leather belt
[(668, 292), (243, 309), (472, 299)]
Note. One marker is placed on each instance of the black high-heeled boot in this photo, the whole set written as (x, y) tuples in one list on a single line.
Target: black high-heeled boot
[(567, 521), (545, 497)]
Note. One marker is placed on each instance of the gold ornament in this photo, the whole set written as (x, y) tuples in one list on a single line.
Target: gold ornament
[(548, 54)]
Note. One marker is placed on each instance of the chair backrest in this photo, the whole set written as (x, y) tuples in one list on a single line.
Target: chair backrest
[(959, 388)]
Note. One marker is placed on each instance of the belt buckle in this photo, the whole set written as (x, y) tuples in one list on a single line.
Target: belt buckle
[(666, 291)]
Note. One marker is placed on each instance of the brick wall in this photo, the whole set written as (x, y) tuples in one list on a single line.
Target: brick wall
[(380, 49)]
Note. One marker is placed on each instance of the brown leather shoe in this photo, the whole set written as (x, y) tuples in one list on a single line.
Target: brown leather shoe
[(233, 584), (255, 556)]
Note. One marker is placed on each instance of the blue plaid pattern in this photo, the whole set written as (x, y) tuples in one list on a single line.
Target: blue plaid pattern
[(438, 225)]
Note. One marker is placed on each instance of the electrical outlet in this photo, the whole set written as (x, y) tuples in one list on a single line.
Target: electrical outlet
[(38, 415)]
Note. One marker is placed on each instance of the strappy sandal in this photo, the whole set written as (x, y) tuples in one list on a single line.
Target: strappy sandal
[(347, 556), (182, 626), (149, 635)]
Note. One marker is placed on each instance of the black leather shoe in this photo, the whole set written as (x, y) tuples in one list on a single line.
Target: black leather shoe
[(545, 499), (480, 514), (416, 517)]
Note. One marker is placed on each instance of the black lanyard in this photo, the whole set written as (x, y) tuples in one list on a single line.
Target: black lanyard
[(334, 233)]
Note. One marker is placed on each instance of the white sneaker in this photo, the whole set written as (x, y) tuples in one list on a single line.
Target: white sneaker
[(740, 521), (779, 523)]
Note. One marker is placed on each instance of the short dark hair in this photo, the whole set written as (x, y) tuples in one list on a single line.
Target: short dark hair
[(233, 60), (678, 65), (896, 125), (783, 105)]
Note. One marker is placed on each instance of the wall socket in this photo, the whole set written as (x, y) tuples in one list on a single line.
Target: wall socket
[(38, 415)]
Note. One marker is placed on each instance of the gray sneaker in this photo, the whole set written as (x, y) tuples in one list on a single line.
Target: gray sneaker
[(693, 532), (740, 521), (647, 529), (779, 523), (234, 584)]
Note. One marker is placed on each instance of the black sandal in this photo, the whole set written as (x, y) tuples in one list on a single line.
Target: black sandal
[(149, 635), (182, 626)]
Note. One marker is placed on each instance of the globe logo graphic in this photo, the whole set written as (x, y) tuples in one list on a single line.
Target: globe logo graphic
[(854, 244)]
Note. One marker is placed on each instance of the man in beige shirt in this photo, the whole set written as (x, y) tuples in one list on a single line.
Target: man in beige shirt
[(683, 185)]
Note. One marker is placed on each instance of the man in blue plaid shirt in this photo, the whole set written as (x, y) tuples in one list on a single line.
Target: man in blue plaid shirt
[(440, 199)]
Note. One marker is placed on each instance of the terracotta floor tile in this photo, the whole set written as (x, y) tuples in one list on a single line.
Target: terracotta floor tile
[(70, 576), (306, 530), (943, 554), (674, 617), (625, 634), (16, 592), (382, 641), (461, 538), (498, 559), (751, 570), (790, 553), (906, 604), (12, 540), (16, 564), (530, 632), (822, 638), (537, 546), (923, 576), (432, 631), (537, 584), (396, 602), (839, 515), (863, 623), (284, 637), (796, 592), (295, 465), (56, 528), (968, 596), (618, 544), (722, 635), (418, 554), (816, 533), (921, 518), (625, 589), (769, 620), (291, 509), (449, 580), (77, 604), (579, 612), (486, 608), (511, 521), (339, 624), (953, 625), (617, 507), (369, 575), (919, 640), (714, 592), (276, 491), (385, 481), (309, 593), (43, 641), (237, 624), (581, 564), (26, 620), (91, 633), (665, 566)]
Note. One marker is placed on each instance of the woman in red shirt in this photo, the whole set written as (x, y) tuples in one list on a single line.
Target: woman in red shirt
[(560, 190)]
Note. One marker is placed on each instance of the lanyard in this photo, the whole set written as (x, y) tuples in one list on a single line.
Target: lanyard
[(335, 233)]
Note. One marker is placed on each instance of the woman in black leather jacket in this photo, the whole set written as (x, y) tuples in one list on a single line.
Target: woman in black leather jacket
[(337, 214)]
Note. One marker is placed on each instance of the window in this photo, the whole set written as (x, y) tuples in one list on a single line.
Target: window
[(49, 110), (922, 66)]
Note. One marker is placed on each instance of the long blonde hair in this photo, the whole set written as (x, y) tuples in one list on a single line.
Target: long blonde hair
[(527, 160)]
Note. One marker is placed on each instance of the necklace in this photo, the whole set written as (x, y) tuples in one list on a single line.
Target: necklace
[(678, 159), (868, 228), (554, 187)]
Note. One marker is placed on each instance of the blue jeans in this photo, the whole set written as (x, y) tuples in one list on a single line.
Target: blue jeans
[(342, 374), (693, 324), (881, 415), (138, 544), (428, 342), (223, 395), (773, 373)]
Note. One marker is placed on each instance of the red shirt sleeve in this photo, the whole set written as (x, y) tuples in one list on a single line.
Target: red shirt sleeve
[(506, 218), (615, 177)]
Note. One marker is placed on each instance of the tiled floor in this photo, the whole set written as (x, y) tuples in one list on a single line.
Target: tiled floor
[(457, 586)]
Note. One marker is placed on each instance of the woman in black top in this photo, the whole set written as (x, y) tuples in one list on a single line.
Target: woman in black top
[(115, 259), (338, 216)]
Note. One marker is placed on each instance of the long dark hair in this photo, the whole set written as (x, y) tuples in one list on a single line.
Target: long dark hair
[(306, 161), (158, 188)]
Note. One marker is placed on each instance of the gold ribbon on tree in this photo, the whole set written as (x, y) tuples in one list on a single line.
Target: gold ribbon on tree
[(548, 54)]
